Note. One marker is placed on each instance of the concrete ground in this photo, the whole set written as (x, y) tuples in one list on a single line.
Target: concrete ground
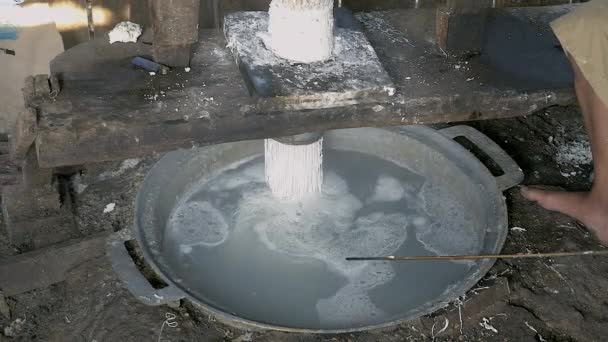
[(519, 300)]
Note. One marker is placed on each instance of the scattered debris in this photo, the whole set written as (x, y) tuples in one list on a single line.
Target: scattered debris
[(152, 73), (389, 90), (78, 185), (460, 302), (125, 32), (126, 165), (247, 337), (485, 323), (540, 338), (149, 65), (109, 208), (560, 276), (519, 229), (433, 335), (14, 328), (574, 153), (170, 321), (187, 69), (378, 21), (470, 79)]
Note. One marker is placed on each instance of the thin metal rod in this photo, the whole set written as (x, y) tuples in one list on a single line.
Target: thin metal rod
[(478, 257)]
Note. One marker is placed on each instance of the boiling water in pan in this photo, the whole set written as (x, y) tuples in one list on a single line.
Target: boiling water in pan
[(283, 263)]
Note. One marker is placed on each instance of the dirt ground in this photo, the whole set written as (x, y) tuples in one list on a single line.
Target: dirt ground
[(519, 300)]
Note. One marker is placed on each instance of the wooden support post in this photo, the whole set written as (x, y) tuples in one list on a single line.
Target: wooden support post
[(33, 175), (33, 211), (9, 175), (32, 208), (23, 134), (175, 26), (37, 89), (460, 25)]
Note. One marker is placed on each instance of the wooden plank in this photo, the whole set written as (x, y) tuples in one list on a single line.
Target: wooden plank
[(47, 266), (23, 133), (107, 117), (8, 179)]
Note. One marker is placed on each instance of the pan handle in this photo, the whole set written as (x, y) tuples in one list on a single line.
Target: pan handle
[(136, 283), (513, 174)]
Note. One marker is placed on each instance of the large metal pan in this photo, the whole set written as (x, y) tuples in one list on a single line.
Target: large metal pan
[(426, 151)]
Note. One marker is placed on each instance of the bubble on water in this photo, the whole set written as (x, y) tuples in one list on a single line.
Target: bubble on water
[(334, 185), (388, 189), (420, 221), (198, 223)]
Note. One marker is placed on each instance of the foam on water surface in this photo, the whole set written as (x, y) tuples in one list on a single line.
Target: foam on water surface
[(283, 262), (198, 223), (388, 189)]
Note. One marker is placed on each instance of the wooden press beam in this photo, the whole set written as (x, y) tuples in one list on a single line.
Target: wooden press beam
[(117, 112)]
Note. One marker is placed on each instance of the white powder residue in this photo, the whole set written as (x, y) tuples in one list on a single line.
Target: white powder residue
[(378, 22), (78, 184), (293, 172), (124, 166), (574, 153), (301, 31), (125, 32), (249, 38), (388, 189), (109, 208)]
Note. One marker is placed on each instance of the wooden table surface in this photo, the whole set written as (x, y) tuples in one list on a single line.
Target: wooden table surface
[(108, 110)]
